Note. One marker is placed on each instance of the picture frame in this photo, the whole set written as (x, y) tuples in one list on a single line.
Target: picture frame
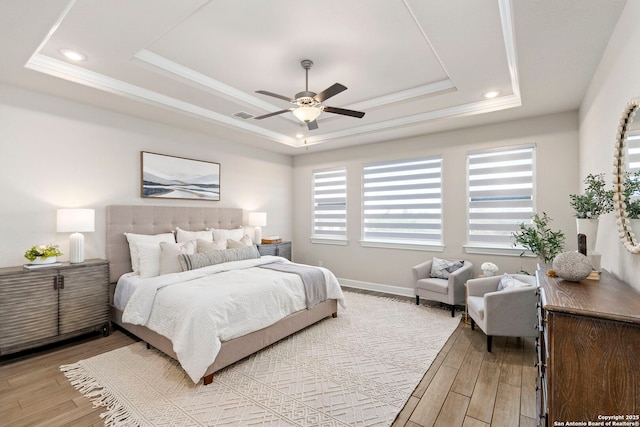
[(169, 177)]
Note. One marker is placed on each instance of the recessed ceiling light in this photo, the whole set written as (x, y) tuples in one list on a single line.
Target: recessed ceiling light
[(491, 94), (73, 55), (299, 135)]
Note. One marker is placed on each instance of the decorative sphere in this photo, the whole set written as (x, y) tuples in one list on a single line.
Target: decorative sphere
[(572, 266)]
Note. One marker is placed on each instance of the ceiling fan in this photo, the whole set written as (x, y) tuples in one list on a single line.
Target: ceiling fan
[(309, 104)]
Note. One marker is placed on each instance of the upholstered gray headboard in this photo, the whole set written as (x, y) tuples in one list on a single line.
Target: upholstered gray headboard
[(158, 219)]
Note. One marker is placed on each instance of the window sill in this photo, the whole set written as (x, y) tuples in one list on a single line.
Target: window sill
[(329, 241), (497, 250), (429, 247)]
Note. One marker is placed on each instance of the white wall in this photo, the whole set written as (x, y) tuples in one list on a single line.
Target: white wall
[(556, 137), (57, 153), (614, 84)]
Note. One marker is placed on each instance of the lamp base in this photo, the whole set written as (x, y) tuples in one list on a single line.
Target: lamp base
[(257, 235), (76, 248)]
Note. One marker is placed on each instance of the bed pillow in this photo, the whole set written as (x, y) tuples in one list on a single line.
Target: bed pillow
[(135, 239), (507, 281), (245, 241), (223, 234), (207, 246), (199, 260), (185, 236), (442, 268), (170, 255), (149, 259)]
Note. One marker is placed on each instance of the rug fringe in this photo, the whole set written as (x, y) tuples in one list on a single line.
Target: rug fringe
[(117, 415)]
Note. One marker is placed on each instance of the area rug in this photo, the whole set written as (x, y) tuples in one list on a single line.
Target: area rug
[(358, 369)]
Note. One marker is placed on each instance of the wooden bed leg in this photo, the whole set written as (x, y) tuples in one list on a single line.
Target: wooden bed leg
[(334, 315), (207, 379)]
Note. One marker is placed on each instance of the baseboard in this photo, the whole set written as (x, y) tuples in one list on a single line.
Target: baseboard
[(377, 287)]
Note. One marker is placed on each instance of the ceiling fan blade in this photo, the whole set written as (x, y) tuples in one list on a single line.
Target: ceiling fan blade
[(344, 112), (329, 92), (275, 113), (312, 125), (275, 95)]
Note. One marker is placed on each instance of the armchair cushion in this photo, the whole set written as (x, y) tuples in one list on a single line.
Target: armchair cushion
[(441, 268), (434, 285), (507, 281)]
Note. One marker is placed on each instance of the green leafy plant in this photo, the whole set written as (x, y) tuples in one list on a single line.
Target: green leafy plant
[(539, 239), (632, 194), (595, 201), (42, 251)]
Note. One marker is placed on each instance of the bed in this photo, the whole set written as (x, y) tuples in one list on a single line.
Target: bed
[(153, 220)]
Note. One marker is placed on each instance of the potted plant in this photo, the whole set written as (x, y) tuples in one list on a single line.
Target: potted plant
[(632, 200), (595, 201), (540, 239), (42, 254)]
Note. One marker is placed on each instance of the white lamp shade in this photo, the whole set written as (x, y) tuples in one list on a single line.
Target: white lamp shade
[(307, 114), (75, 220), (257, 219)]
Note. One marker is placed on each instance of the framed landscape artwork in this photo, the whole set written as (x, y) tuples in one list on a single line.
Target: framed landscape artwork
[(169, 177)]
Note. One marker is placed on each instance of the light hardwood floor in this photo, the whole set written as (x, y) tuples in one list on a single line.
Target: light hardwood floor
[(465, 385)]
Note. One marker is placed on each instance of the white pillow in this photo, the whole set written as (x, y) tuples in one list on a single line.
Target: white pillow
[(223, 234), (134, 239), (149, 255), (507, 281), (170, 255), (206, 246), (185, 236), (245, 241)]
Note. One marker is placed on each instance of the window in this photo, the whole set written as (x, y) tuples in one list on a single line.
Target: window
[(330, 203), (402, 201), (500, 194)]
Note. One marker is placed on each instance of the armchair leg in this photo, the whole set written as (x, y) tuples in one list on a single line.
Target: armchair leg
[(453, 311), (417, 299), (489, 338), (473, 324)]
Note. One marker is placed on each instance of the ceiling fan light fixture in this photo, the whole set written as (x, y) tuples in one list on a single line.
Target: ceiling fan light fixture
[(307, 114)]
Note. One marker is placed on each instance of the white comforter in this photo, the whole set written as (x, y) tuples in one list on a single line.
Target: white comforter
[(199, 309)]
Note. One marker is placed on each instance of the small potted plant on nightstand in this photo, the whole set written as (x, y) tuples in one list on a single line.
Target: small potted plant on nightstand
[(43, 254)]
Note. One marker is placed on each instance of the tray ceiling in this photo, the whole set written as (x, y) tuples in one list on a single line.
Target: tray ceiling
[(413, 66)]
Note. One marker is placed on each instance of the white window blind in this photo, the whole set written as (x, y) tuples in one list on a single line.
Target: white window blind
[(500, 192), (402, 201), (330, 203)]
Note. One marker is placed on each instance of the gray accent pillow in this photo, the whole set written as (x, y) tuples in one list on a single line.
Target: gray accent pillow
[(441, 268), (199, 260)]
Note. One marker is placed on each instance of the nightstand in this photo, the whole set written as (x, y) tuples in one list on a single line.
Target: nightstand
[(282, 249), (50, 304)]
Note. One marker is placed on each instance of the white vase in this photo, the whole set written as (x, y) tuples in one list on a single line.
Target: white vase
[(588, 227), (47, 260), (487, 273)]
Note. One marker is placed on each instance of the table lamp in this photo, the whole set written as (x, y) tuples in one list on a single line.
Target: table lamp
[(76, 221), (257, 220)]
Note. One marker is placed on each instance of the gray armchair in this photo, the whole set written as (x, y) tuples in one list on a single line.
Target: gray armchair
[(448, 291), (507, 313)]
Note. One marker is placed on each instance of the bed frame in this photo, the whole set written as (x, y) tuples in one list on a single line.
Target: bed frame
[(162, 219)]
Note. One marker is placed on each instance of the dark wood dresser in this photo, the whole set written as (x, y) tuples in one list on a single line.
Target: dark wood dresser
[(588, 351)]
